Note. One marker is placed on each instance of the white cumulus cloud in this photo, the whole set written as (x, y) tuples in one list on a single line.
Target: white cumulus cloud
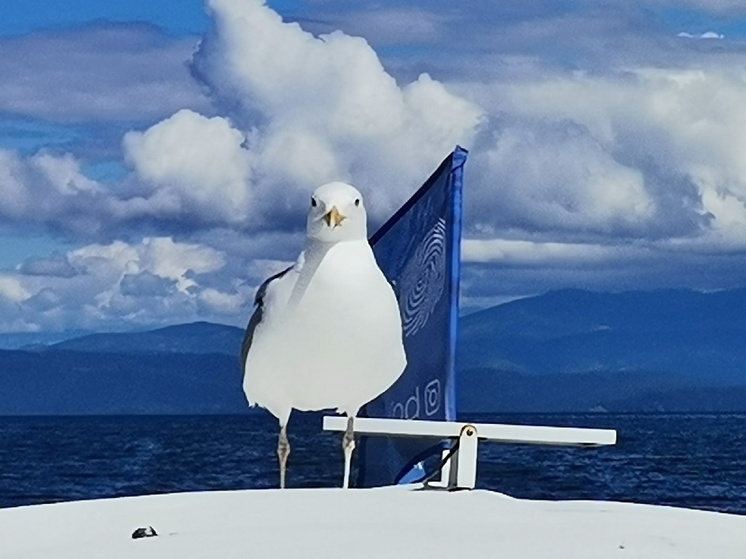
[(557, 176), (315, 109), (198, 163)]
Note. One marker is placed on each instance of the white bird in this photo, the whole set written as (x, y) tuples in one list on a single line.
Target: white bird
[(326, 332)]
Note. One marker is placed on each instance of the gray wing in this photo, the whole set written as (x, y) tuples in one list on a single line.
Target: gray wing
[(256, 317)]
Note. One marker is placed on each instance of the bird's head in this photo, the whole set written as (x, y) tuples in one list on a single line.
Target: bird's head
[(336, 213)]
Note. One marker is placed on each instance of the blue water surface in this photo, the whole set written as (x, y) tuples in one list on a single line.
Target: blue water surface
[(694, 461)]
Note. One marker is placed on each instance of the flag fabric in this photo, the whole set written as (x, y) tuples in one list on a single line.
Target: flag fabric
[(418, 249)]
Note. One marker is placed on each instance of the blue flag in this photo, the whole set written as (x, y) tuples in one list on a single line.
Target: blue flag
[(418, 250)]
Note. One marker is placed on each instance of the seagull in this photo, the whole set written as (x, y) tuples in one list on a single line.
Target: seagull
[(326, 332)]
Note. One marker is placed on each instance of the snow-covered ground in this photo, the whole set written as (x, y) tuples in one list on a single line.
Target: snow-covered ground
[(389, 522)]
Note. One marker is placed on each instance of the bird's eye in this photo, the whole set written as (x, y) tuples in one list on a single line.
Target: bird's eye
[(357, 201), (313, 201)]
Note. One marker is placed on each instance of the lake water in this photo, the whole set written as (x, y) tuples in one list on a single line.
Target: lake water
[(695, 461)]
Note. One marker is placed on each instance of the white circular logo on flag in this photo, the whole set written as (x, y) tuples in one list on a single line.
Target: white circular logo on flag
[(423, 279)]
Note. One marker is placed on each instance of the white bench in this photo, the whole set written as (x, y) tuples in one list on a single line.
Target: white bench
[(460, 472)]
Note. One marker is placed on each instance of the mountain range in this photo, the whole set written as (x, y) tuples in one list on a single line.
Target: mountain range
[(575, 350), (564, 351)]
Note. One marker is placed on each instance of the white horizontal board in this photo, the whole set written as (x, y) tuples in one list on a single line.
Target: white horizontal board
[(496, 432)]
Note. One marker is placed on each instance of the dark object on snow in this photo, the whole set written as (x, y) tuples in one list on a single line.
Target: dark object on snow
[(144, 533)]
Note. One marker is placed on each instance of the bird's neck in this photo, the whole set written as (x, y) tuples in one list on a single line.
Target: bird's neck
[(317, 249)]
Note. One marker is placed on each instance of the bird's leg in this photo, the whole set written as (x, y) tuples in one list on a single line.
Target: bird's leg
[(283, 450), (348, 445)]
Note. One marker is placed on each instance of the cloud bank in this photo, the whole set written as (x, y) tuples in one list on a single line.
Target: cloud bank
[(156, 281), (66, 76), (619, 170)]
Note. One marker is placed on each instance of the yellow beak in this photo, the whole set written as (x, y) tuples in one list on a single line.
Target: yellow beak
[(334, 218)]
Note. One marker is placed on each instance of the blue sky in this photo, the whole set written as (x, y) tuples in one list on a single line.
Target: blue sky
[(177, 18), (145, 145)]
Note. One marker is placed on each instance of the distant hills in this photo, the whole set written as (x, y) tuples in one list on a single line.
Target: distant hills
[(564, 351), (184, 369), (574, 350), (700, 335), (197, 337)]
